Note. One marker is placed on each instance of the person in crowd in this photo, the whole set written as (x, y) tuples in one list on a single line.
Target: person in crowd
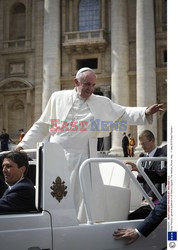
[(125, 144), (74, 119), (146, 227), (21, 134), (131, 145), (20, 192), (147, 140), (5, 139), (3, 185)]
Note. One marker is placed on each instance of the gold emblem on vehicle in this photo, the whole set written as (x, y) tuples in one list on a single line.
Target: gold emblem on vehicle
[(59, 189)]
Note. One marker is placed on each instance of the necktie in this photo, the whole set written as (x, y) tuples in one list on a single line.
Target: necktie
[(147, 163)]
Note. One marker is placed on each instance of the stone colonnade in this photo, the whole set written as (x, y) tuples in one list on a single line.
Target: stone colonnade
[(145, 62)]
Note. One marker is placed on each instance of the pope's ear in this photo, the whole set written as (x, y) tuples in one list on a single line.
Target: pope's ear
[(76, 82)]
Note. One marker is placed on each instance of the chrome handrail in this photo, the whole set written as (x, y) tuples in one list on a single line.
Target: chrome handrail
[(83, 187), (145, 176)]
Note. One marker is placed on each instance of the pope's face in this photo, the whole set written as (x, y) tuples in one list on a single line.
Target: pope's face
[(11, 172), (86, 85)]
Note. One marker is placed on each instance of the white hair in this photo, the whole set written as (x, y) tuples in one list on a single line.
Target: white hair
[(83, 70)]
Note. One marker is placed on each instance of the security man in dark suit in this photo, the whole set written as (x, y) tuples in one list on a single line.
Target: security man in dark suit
[(147, 140), (125, 145), (20, 194)]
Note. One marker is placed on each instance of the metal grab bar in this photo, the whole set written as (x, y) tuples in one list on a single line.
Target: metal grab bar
[(83, 186), (145, 176)]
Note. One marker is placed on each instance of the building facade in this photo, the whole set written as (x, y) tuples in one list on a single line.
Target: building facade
[(44, 42)]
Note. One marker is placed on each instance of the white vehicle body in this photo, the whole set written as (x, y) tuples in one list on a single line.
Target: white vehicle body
[(54, 225)]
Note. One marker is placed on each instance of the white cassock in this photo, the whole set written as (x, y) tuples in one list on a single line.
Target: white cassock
[(67, 119)]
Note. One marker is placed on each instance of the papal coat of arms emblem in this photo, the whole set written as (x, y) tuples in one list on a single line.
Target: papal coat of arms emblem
[(58, 189)]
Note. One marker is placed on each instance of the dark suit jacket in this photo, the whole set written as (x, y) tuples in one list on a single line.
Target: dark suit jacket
[(21, 197), (154, 218), (125, 141), (157, 176), (153, 166), (3, 186)]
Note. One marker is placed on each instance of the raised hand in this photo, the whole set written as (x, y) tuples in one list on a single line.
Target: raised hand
[(153, 109)]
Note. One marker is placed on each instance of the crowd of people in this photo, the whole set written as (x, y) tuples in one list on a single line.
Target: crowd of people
[(76, 108), (6, 140), (128, 145)]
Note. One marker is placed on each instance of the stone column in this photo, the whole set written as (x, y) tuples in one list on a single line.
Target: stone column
[(106, 140), (119, 64), (103, 14), (1, 110), (146, 66), (71, 18), (28, 109), (51, 49)]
